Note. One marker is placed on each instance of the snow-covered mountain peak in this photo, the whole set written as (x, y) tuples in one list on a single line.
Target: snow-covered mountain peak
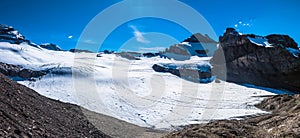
[(196, 45), (13, 36), (9, 34)]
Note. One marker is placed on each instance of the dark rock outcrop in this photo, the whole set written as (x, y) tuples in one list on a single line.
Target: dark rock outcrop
[(10, 35), (50, 46), (191, 72), (79, 51), (108, 52), (284, 121), (17, 71), (242, 61), (150, 55)]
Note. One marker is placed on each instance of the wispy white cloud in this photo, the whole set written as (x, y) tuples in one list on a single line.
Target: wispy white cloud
[(139, 35), (151, 49), (88, 41)]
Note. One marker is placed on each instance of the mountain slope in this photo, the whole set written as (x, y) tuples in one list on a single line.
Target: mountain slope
[(25, 113)]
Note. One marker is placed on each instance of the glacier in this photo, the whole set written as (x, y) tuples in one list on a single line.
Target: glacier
[(131, 90)]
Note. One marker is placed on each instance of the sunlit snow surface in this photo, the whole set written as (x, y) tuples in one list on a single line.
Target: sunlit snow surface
[(260, 41), (130, 90)]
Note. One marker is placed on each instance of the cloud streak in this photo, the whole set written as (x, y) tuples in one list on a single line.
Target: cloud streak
[(89, 41), (139, 35), (151, 49)]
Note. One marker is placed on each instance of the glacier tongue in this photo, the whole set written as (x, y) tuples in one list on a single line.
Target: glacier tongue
[(129, 89)]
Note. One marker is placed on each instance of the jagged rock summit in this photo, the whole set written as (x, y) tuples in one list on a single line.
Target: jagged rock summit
[(13, 36), (270, 61), (9, 34), (199, 38)]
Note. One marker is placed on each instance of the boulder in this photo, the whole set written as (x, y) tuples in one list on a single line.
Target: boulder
[(191, 72), (150, 55), (80, 51)]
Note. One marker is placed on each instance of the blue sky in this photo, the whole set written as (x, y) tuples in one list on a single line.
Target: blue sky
[(62, 21)]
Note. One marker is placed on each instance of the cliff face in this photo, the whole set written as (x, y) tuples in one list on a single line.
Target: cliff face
[(270, 61)]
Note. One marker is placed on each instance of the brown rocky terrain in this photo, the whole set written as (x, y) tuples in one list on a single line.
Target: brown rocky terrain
[(239, 60), (25, 113), (283, 121)]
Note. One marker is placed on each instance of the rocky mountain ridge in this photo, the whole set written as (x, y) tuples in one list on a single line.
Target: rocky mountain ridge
[(9, 34), (13, 36), (270, 61)]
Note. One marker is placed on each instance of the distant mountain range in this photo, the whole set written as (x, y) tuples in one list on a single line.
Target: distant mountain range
[(271, 61)]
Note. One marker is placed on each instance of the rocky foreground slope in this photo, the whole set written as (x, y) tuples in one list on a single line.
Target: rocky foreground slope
[(284, 121), (25, 113), (271, 61)]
